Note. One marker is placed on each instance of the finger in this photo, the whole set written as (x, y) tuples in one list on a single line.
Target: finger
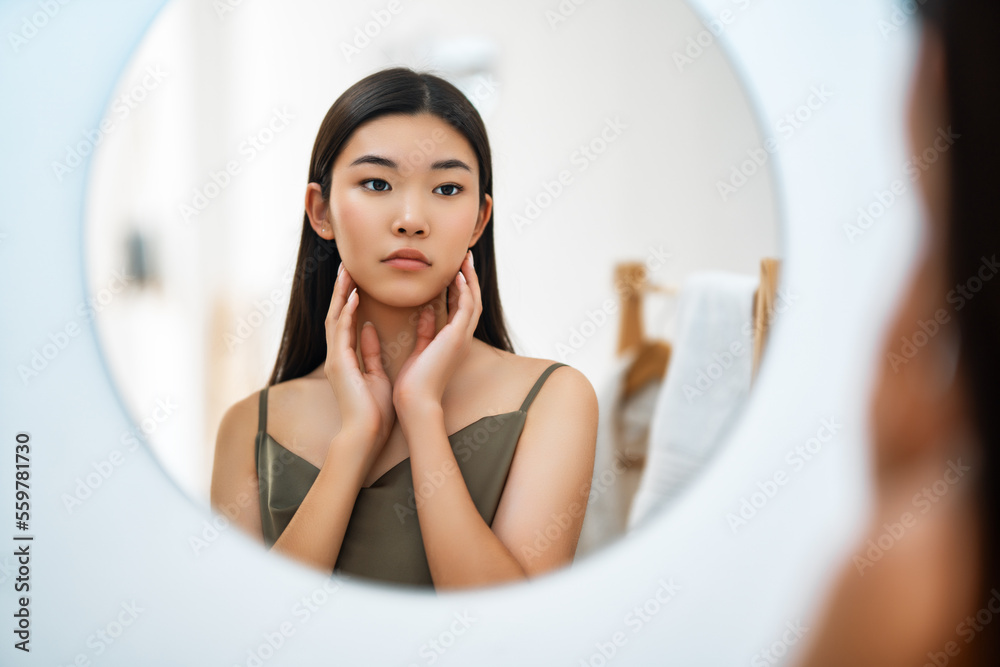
[(472, 280), (454, 294), (348, 314), (371, 350), (342, 286), (344, 332), (463, 315), (425, 330)]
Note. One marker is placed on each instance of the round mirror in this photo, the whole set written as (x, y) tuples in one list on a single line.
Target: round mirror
[(634, 218), (137, 535)]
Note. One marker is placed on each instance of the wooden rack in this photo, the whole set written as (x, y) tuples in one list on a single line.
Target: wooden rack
[(653, 355)]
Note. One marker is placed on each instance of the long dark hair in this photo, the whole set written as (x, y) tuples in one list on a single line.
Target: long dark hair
[(972, 71), (397, 90)]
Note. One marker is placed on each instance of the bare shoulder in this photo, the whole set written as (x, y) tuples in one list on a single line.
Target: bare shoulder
[(241, 419), (565, 388), (302, 415), (567, 393), (234, 487), (239, 422), (294, 391)]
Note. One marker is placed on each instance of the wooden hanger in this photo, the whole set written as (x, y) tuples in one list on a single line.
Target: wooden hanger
[(763, 309), (651, 356)]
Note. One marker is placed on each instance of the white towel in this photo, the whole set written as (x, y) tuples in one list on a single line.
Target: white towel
[(707, 382), (622, 441), (602, 521)]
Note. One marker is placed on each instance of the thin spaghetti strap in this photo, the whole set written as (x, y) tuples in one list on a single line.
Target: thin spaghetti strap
[(262, 411), (538, 385)]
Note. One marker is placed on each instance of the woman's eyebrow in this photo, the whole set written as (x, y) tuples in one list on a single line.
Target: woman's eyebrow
[(381, 161), (451, 164)]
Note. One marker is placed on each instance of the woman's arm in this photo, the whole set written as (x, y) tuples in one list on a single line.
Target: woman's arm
[(546, 490), (234, 490), (542, 508), (316, 531)]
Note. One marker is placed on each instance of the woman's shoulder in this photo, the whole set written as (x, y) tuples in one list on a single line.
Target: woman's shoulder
[(566, 383), (241, 416), (244, 413), (295, 390), (234, 460), (568, 388)]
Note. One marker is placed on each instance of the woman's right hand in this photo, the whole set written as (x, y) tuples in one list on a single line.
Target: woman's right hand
[(365, 399)]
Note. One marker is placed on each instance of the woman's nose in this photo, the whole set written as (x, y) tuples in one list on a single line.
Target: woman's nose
[(413, 220), (410, 229)]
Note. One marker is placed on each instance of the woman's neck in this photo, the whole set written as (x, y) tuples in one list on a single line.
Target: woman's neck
[(396, 327)]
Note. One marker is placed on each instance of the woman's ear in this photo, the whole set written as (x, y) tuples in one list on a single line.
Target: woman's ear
[(484, 217), (318, 211)]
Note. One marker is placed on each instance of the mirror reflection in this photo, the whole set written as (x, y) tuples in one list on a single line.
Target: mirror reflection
[(558, 230)]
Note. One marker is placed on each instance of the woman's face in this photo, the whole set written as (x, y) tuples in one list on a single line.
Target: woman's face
[(405, 181)]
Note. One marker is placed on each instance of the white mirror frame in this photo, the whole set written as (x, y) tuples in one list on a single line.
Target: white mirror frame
[(116, 571)]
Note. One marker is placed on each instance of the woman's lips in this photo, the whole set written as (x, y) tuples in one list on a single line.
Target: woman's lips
[(406, 264)]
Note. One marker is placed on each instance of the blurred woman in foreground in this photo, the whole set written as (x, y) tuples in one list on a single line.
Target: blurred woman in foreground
[(924, 587)]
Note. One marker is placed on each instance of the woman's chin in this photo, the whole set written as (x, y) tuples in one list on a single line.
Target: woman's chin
[(404, 298)]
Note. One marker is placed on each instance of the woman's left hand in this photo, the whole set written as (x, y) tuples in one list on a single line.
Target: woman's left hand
[(422, 378)]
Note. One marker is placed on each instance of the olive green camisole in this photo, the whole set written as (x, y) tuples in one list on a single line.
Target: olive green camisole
[(382, 540)]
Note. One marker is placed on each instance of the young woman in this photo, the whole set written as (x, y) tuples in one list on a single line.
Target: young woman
[(394, 441), (924, 586)]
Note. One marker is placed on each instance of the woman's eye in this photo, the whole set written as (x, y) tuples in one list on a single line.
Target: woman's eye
[(378, 182), (455, 189)]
